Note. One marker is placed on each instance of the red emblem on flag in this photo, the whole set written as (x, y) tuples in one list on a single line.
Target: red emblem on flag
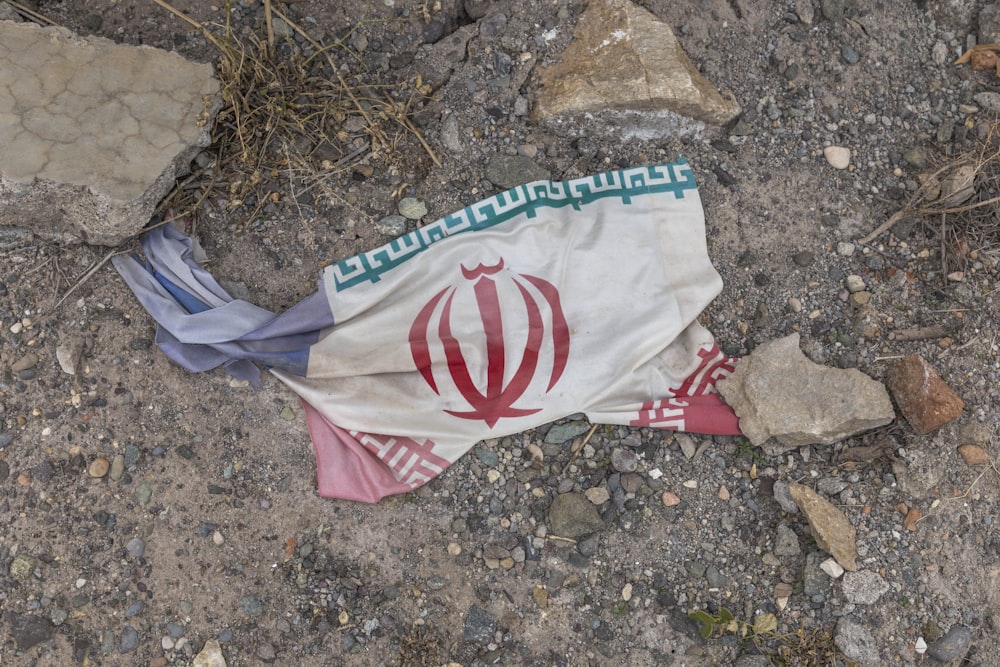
[(496, 400)]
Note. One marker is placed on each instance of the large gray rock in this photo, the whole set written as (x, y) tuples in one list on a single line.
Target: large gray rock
[(626, 70), (778, 393), (94, 133), (857, 643)]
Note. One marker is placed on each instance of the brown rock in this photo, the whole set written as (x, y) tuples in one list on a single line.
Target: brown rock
[(974, 455), (923, 397), (911, 518), (98, 467), (833, 532), (625, 65)]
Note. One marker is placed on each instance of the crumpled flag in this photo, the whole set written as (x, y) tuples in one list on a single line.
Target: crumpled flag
[(546, 300)]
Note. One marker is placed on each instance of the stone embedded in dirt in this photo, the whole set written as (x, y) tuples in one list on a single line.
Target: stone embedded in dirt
[(923, 397), (412, 208), (786, 542), (627, 70), (28, 361), (974, 455), (94, 133), (210, 655), (27, 630), (863, 587), (572, 515), (479, 625), (598, 495), (624, 460), (856, 642), (831, 529), (670, 499), (839, 157), (777, 392), (508, 171)]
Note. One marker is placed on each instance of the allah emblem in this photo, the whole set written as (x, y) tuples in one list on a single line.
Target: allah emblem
[(539, 319)]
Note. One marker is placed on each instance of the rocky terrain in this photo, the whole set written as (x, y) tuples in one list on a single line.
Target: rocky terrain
[(150, 511)]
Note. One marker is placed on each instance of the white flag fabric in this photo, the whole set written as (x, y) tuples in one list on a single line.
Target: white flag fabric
[(546, 300)]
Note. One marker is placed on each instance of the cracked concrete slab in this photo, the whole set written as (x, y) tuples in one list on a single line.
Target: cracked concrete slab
[(94, 133)]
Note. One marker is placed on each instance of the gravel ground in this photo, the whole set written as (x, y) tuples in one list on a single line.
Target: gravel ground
[(149, 510)]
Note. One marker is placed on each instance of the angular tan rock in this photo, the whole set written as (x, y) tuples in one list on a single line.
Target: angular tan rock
[(831, 529), (94, 133), (210, 656), (923, 397), (627, 69), (777, 392), (973, 455)]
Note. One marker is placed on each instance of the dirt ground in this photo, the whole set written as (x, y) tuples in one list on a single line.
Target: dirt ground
[(214, 528)]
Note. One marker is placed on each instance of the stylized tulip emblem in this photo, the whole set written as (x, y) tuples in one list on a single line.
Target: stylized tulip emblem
[(497, 399)]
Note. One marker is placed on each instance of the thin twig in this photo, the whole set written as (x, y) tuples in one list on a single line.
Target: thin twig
[(86, 276), (577, 448), (30, 13), (919, 333), (270, 28)]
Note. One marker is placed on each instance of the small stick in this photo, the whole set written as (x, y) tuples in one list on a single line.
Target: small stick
[(578, 448), (86, 277), (919, 333), (561, 538), (270, 29), (28, 12)]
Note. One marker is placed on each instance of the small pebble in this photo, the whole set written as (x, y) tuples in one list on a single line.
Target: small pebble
[(412, 208), (838, 156), (98, 467)]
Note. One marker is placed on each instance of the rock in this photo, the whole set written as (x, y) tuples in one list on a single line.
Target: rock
[(251, 606), (838, 156), (854, 283), (412, 208), (117, 467), (27, 630), (777, 392), (784, 498), (624, 460), (266, 653), (98, 467), (4, 471), (831, 529), (670, 499), (598, 494), (953, 645), (23, 566), (26, 362), (136, 547), (687, 445), (857, 643), (973, 455), (989, 24), (863, 587), (479, 626), (988, 100), (451, 137), (129, 640), (815, 582), (68, 355), (143, 493), (786, 543), (391, 225), (918, 473), (626, 70), (805, 10), (923, 397), (832, 568), (476, 9), (560, 433), (508, 171), (572, 515), (95, 133)]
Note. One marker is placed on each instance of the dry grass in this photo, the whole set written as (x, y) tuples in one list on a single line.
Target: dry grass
[(809, 648), (960, 204), (292, 123)]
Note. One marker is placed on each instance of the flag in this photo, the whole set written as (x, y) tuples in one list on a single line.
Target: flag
[(549, 299)]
